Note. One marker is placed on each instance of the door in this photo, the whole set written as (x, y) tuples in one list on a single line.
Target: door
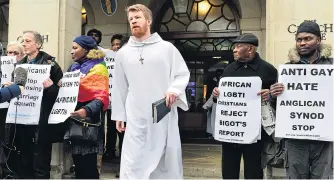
[(193, 123)]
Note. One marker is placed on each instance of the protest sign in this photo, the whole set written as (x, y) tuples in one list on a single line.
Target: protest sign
[(7, 68), (26, 109), (305, 108), (67, 98), (110, 62), (238, 112)]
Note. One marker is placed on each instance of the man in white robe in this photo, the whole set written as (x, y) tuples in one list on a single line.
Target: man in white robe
[(148, 69)]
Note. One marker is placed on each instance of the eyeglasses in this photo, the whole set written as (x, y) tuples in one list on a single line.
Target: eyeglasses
[(13, 53)]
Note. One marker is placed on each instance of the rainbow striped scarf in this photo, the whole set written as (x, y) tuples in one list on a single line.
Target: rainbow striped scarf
[(94, 84)]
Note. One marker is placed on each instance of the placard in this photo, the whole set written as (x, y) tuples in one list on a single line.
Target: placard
[(26, 109), (305, 108), (7, 68), (110, 62), (67, 98), (238, 112)]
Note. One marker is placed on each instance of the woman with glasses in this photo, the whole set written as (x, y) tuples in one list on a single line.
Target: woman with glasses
[(15, 49), (7, 162)]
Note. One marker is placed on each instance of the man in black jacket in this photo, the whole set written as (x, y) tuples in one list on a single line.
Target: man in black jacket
[(34, 142), (247, 63), (307, 159), (96, 35)]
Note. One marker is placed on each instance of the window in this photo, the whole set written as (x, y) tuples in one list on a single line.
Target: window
[(200, 16)]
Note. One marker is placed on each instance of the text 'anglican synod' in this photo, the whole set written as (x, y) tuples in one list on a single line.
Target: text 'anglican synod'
[(305, 107)]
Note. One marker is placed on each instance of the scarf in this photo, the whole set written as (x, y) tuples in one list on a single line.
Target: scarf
[(94, 84)]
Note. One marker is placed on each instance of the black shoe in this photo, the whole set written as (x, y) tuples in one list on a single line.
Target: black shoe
[(72, 169), (117, 175), (109, 156)]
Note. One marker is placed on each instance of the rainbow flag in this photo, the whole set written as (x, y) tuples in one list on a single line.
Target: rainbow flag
[(95, 84)]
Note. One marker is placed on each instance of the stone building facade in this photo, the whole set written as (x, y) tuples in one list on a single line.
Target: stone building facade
[(205, 28)]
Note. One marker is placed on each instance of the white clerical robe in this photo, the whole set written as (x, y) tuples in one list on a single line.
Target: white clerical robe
[(149, 150)]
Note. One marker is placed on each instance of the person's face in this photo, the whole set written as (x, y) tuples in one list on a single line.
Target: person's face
[(14, 50), (115, 44), (138, 23), (77, 51), (307, 43), (241, 51), (95, 36), (29, 44)]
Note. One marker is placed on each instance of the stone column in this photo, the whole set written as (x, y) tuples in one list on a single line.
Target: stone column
[(254, 26), (253, 21), (59, 21), (282, 19)]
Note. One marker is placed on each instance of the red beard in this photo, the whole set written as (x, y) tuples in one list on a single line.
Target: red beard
[(139, 31)]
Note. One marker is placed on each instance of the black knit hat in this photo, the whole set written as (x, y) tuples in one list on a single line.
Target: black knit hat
[(99, 34), (309, 27), (248, 38)]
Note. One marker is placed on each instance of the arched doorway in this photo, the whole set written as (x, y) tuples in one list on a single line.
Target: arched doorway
[(203, 31)]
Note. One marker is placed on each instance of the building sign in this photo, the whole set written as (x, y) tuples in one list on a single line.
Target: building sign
[(109, 7), (324, 29), (45, 38)]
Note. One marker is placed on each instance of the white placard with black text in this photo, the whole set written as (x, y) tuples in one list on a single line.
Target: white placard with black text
[(110, 62), (238, 112), (305, 108), (26, 110), (7, 68), (67, 98)]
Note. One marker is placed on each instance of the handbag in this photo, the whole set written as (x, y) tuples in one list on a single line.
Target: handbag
[(279, 158), (273, 154), (82, 130)]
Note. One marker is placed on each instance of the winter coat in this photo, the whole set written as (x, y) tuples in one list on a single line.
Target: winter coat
[(44, 132)]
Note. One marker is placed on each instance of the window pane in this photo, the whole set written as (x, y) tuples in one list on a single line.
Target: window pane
[(202, 16)]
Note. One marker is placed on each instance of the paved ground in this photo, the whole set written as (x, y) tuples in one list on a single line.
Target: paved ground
[(199, 162)]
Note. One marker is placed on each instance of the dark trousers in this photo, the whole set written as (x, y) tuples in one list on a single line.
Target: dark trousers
[(112, 135), (231, 158), (42, 160), (307, 159), (86, 166), (30, 160)]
